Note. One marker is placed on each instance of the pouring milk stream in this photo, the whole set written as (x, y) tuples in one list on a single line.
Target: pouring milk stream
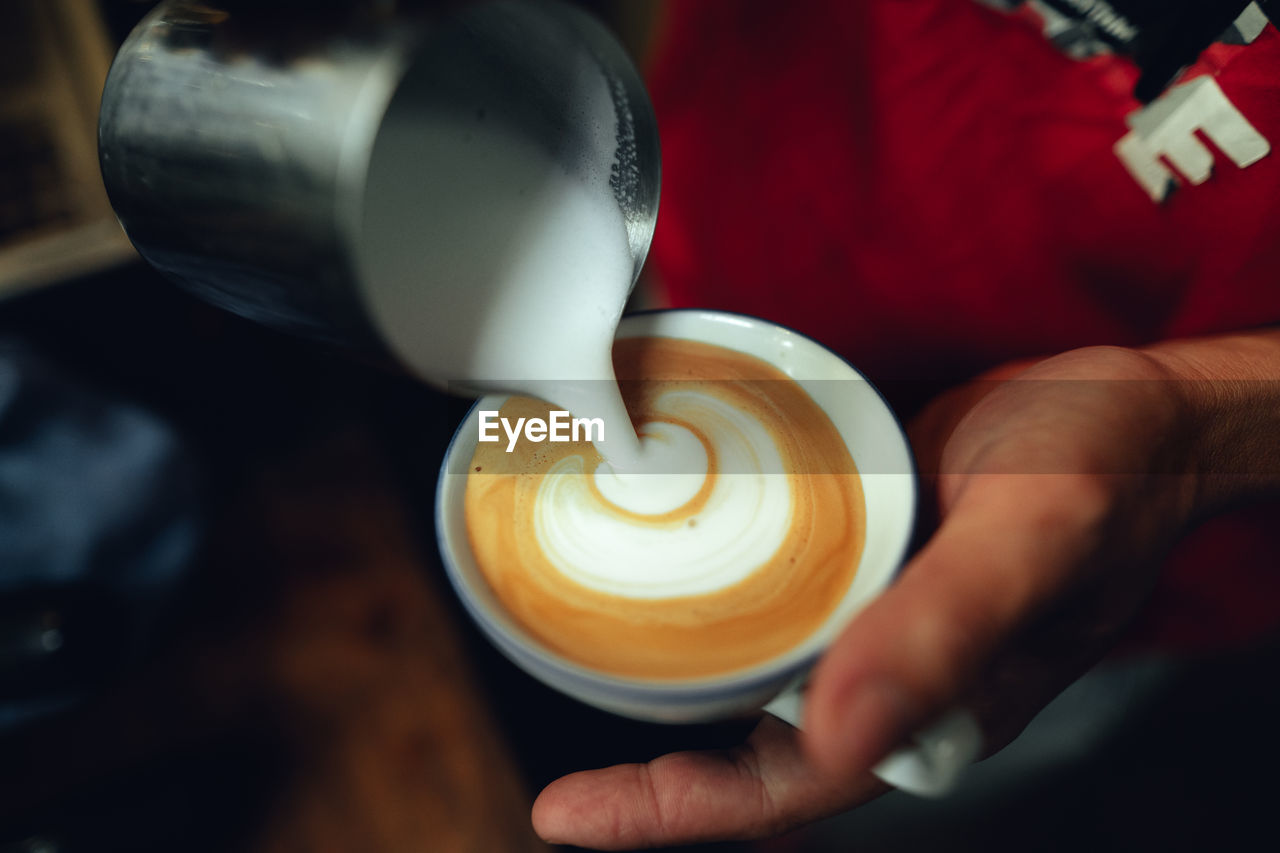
[(530, 262)]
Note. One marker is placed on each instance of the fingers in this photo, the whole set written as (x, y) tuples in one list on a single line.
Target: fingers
[(760, 788), (1010, 544)]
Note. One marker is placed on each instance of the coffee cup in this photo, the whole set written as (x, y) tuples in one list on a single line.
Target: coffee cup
[(879, 449)]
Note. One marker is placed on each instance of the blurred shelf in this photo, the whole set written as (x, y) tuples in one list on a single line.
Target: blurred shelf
[(55, 220)]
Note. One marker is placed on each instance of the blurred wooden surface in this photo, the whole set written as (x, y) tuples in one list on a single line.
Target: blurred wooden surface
[(319, 699), (401, 753)]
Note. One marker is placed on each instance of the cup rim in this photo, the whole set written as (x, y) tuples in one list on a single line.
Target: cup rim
[(669, 690)]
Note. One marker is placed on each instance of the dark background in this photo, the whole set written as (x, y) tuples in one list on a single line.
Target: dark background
[(217, 728)]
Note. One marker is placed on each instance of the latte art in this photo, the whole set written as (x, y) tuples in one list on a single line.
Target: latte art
[(689, 538), (730, 541)]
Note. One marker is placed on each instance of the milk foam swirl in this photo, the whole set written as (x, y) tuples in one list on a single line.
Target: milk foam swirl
[(730, 545), (677, 531)]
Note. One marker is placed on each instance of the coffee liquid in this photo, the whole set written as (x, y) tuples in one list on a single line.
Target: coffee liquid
[(739, 561)]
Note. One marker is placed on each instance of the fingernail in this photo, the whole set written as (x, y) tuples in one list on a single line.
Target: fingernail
[(877, 718)]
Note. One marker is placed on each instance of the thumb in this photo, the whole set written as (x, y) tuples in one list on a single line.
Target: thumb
[(1009, 544)]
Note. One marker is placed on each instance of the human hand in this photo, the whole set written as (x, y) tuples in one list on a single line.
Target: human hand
[(1057, 492)]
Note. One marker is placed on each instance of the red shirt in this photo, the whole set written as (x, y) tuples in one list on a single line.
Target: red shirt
[(930, 188)]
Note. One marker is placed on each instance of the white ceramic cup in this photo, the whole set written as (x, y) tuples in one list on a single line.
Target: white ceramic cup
[(879, 448)]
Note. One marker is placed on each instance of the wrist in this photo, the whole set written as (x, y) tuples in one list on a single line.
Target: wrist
[(1228, 391)]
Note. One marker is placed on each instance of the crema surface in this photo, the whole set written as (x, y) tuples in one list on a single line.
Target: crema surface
[(729, 545)]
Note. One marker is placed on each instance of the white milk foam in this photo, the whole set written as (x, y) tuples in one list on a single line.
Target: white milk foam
[(674, 467), (745, 518), (519, 266)]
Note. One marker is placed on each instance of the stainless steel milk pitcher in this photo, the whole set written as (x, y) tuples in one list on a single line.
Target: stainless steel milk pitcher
[(236, 139)]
